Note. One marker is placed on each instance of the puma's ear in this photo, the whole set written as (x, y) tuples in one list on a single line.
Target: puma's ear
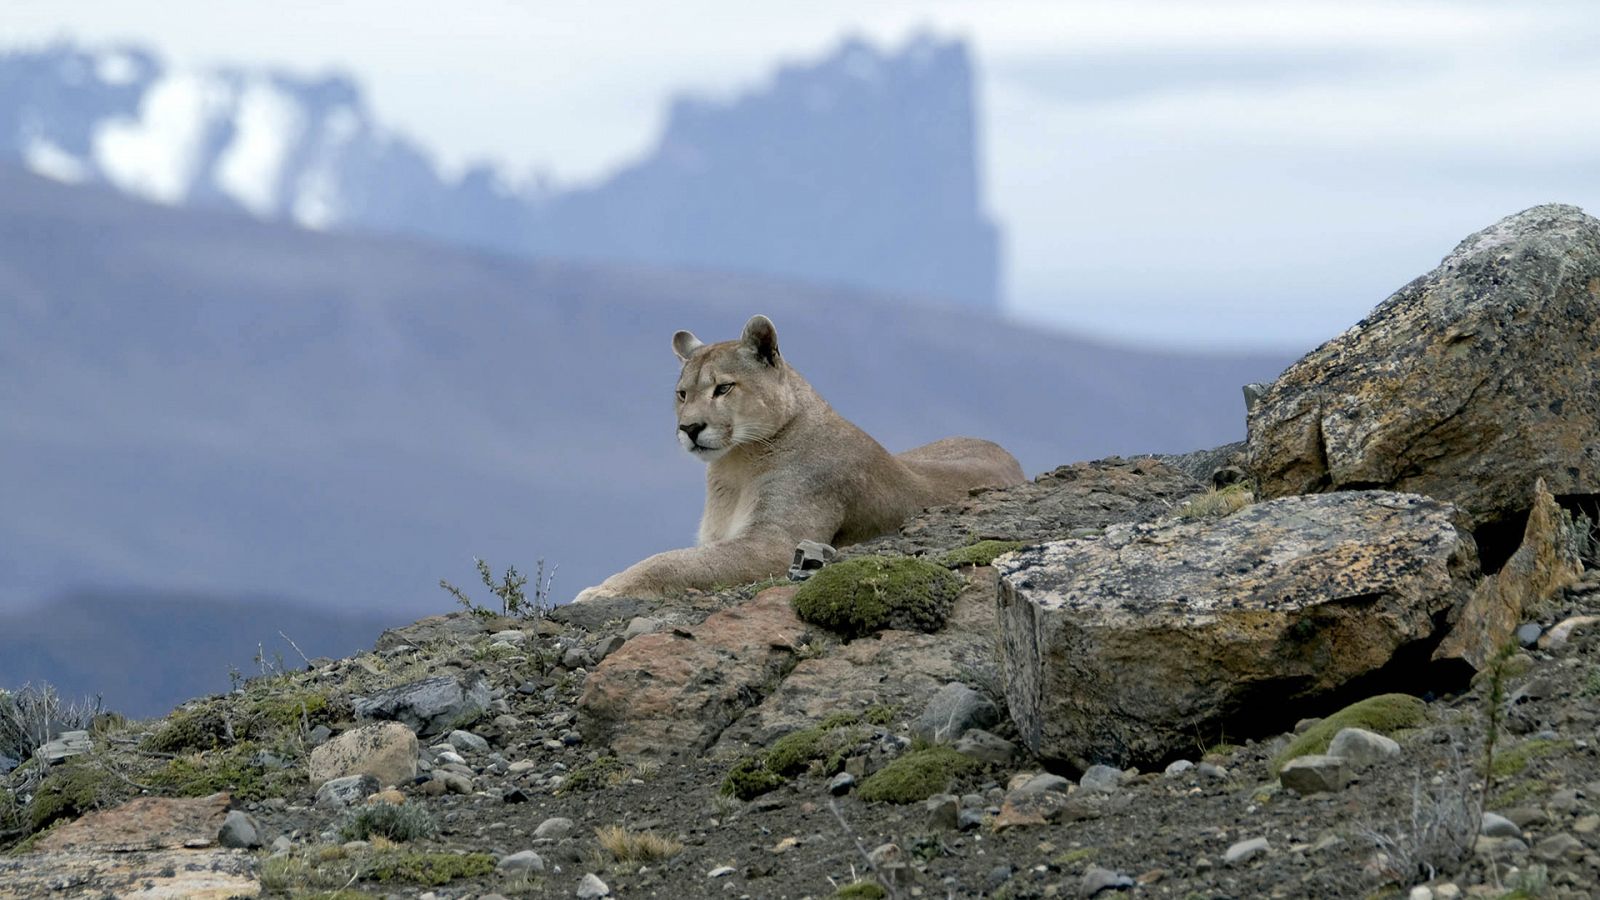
[(685, 344), (762, 338)]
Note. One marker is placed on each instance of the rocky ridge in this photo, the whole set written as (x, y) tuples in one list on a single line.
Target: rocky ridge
[(1146, 685)]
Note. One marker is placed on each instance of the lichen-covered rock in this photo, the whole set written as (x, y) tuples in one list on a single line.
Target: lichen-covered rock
[(1122, 649), (387, 751), (1466, 385), (674, 692), (1544, 564), (430, 706)]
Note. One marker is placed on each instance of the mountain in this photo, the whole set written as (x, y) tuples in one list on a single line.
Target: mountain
[(857, 169), (199, 403)]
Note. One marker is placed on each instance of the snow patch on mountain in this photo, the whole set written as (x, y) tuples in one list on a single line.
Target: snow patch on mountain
[(157, 154), (267, 125)]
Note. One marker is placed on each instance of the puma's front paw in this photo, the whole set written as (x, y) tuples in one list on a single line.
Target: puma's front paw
[(598, 592)]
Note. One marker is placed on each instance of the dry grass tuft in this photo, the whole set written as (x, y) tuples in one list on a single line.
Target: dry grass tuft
[(630, 847)]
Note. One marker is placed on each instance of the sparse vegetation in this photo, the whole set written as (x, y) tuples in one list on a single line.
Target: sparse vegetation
[(72, 789), (509, 589), (1384, 714), (861, 890), (395, 821), (917, 775), (1217, 503), (823, 747), (604, 771), (636, 847), (981, 553), (31, 716), (867, 594)]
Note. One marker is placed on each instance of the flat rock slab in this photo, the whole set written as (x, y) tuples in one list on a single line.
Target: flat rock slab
[(1082, 495), (430, 706), (672, 693), (1467, 384), (1121, 649), (896, 668), (144, 823), (151, 875)]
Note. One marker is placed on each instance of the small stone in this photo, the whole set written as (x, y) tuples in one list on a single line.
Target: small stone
[(554, 828), (1499, 847), (390, 796), (590, 887), (998, 875), (1447, 891), (641, 625), (841, 784), (1362, 748), (281, 844), (951, 711), (1244, 851), (512, 636), (1101, 779), (319, 735), (1177, 767), (1212, 771), (1557, 846), (1041, 783), (884, 854), (338, 793), (520, 863), (1315, 774), (467, 742), (1098, 879), (969, 819), (1496, 825), (721, 872), (239, 831), (1528, 633), (1525, 816), (515, 795), (986, 747), (456, 784), (1420, 892), (1587, 825), (450, 758), (575, 658), (943, 810), (1304, 725)]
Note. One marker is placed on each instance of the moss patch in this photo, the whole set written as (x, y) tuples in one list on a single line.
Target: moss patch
[(1384, 714), (205, 728), (861, 890), (603, 772), (870, 593), (1515, 760), (823, 747), (72, 789), (427, 868), (980, 554), (917, 775)]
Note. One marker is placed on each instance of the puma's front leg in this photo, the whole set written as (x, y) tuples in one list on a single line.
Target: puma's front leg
[(741, 560)]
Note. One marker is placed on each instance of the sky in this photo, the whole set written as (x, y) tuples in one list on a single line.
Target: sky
[(1215, 176)]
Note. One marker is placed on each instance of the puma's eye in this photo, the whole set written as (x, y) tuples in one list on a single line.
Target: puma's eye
[(683, 395), (722, 389)]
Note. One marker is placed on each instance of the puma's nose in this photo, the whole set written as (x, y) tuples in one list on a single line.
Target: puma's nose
[(693, 429)]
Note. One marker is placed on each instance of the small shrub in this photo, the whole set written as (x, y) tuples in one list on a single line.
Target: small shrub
[(395, 821), (917, 775), (867, 594), (72, 789), (1384, 714), (1515, 760), (636, 847), (31, 716), (605, 771), (1217, 504), (187, 731), (509, 590), (980, 554), (234, 769), (426, 868), (1437, 838)]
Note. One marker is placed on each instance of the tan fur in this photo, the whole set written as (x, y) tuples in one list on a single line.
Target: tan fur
[(784, 467)]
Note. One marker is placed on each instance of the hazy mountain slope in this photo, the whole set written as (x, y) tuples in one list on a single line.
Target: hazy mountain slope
[(203, 403), (859, 167)]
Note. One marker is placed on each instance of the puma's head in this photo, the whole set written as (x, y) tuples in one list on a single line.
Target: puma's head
[(732, 393)]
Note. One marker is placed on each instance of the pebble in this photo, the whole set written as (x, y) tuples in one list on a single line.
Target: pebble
[(456, 784), (1587, 825), (1528, 633), (346, 791), (943, 810), (1496, 825), (590, 887), (641, 625), (1499, 847), (1446, 891), (450, 758), (520, 863), (1101, 779), (1420, 892), (721, 872), (1362, 747), (1244, 851), (969, 819), (239, 831), (281, 844), (1098, 879), (998, 875), (1557, 846), (554, 828), (1177, 767), (1212, 770), (1040, 783), (467, 742), (841, 784), (1315, 774)]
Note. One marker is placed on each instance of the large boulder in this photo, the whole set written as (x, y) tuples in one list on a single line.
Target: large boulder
[(672, 693), (1467, 385), (387, 751), (430, 706), (1124, 649)]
